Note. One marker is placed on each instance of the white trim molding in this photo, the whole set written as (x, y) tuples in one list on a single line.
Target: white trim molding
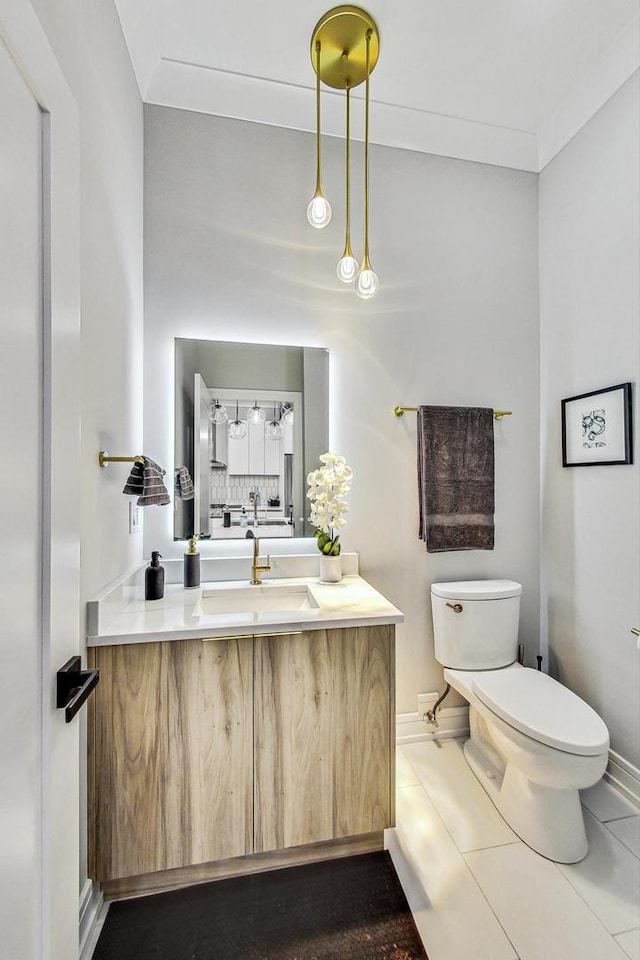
[(93, 912), (624, 777), (412, 727), (620, 62)]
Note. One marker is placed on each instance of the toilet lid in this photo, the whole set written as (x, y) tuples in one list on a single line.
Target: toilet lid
[(543, 709)]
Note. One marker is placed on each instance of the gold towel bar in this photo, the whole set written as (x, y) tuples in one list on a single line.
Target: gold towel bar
[(104, 459), (498, 414)]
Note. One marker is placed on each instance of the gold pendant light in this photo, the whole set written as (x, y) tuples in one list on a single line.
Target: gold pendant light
[(367, 280), (347, 264), (319, 208), (344, 50)]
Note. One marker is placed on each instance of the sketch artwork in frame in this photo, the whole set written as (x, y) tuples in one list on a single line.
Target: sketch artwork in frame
[(596, 427)]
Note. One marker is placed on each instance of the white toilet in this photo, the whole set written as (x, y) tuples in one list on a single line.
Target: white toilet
[(534, 744)]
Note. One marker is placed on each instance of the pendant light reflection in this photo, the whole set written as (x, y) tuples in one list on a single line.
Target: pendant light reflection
[(274, 429), (344, 50), (319, 208), (286, 417), (238, 428), (218, 412), (256, 414)]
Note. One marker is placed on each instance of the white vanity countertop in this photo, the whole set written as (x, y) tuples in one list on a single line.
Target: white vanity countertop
[(352, 602)]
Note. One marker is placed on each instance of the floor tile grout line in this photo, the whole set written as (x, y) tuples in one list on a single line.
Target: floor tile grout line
[(468, 869), (486, 899), (566, 878), (619, 839), (586, 903)]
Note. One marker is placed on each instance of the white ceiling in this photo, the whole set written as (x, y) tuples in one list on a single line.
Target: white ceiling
[(501, 81)]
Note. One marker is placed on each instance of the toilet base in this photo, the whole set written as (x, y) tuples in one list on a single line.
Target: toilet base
[(548, 820)]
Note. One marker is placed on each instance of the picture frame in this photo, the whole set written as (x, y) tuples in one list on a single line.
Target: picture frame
[(596, 428)]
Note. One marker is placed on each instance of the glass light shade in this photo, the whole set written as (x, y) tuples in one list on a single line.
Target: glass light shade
[(347, 268), (319, 211), (256, 414), (287, 417), (273, 430), (366, 284), (218, 413), (237, 430)]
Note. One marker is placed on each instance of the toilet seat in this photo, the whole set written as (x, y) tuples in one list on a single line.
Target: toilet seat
[(542, 709)]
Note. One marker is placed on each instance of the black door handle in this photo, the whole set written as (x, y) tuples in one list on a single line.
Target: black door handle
[(73, 686)]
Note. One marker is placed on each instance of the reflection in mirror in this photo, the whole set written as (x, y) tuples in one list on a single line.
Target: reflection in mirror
[(251, 420)]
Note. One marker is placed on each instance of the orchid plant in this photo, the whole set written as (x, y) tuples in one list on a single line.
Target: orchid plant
[(328, 486)]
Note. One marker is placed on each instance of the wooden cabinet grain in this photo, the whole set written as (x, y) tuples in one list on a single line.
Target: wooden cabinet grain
[(323, 735), (205, 751), (171, 764)]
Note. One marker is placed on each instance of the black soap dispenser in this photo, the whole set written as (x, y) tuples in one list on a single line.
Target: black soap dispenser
[(192, 566), (154, 578)]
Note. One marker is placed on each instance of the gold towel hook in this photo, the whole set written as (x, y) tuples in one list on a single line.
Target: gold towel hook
[(104, 459)]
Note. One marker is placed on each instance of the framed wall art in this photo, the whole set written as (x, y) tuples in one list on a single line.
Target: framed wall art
[(596, 427)]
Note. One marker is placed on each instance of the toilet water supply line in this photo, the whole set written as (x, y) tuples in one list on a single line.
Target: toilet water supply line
[(430, 715)]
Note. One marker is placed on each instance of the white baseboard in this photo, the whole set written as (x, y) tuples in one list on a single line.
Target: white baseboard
[(624, 777), (93, 911), (454, 722), (412, 727)]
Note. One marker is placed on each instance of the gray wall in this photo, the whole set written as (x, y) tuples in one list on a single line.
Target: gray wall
[(229, 255), (590, 338)]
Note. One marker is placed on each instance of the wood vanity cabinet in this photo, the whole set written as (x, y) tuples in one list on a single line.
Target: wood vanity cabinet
[(170, 755), (202, 751)]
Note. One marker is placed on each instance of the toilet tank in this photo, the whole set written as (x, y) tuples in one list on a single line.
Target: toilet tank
[(475, 623)]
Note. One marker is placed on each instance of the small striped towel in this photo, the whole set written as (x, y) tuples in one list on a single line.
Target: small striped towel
[(183, 484), (145, 482)]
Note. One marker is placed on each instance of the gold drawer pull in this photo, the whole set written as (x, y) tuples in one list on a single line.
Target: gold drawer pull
[(456, 607), (635, 631)]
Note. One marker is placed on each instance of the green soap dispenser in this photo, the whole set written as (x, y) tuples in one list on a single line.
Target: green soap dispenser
[(192, 566), (154, 578)]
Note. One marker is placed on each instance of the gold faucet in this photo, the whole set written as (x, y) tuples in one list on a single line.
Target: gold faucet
[(256, 567)]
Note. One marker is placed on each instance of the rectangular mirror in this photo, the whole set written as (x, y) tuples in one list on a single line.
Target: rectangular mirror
[(251, 421)]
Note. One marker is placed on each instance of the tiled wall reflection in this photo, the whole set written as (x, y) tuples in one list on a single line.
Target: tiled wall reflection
[(227, 488)]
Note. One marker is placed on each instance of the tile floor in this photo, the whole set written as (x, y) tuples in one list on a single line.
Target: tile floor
[(478, 893)]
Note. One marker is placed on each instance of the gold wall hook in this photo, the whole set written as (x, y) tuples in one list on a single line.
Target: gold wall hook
[(104, 459)]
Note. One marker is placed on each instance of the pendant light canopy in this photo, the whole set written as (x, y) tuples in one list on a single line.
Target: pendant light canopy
[(344, 51)]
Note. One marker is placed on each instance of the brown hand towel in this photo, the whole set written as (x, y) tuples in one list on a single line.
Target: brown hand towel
[(456, 478)]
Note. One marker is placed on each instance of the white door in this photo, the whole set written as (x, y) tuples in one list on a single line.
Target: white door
[(202, 446), (39, 612)]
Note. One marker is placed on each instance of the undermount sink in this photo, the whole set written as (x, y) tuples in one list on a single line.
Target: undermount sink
[(260, 599)]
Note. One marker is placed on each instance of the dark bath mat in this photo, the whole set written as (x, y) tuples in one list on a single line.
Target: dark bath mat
[(347, 909)]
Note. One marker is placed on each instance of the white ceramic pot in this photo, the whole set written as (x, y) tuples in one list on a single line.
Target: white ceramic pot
[(330, 569)]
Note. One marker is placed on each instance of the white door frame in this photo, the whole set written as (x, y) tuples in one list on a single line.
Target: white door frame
[(27, 42)]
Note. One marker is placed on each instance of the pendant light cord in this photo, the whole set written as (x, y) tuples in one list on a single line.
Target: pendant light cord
[(365, 263), (318, 177), (347, 246)]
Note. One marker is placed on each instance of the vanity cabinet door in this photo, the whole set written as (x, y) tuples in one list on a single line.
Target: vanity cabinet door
[(171, 767), (324, 715)]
